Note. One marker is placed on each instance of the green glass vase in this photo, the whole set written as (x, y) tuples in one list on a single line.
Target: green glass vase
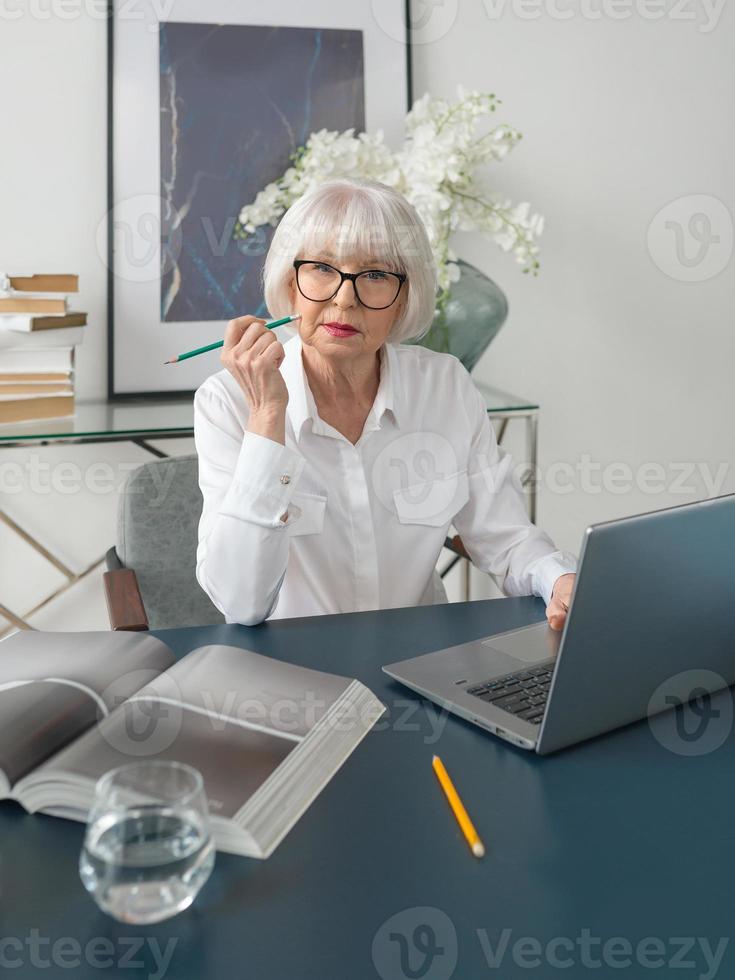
[(474, 312)]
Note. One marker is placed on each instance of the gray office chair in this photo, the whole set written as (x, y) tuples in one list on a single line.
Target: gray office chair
[(151, 581)]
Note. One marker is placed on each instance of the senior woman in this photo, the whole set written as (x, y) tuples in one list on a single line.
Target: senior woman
[(332, 465)]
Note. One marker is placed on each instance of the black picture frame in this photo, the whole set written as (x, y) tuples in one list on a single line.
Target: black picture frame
[(185, 393)]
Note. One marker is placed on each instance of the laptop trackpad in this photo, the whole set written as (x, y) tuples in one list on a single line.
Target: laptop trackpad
[(530, 645)]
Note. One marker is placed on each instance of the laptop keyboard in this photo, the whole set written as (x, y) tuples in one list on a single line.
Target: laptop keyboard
[(522, 693)]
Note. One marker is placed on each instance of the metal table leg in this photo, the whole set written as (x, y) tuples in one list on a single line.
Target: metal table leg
[(532, 444), (529, 480)]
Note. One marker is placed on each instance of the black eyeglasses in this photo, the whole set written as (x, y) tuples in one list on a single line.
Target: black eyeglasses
[(374, 288)]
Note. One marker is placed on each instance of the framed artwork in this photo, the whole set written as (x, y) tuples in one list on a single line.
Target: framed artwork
[(207, 102)]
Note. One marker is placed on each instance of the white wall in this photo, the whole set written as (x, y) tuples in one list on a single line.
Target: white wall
[(53, 158), (620, 117)]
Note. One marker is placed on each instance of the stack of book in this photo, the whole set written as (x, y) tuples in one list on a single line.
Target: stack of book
[(38, 335)]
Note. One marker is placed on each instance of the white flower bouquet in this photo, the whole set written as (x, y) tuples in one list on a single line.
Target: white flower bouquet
[(437, 170)]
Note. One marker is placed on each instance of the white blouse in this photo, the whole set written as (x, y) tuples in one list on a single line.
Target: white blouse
[(366, 522)]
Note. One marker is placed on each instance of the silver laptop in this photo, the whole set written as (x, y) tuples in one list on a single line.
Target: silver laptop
[(653, 601)]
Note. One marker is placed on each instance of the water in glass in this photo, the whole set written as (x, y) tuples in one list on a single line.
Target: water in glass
[(144, 862)]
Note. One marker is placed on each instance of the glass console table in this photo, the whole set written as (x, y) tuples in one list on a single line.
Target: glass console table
[(103, 421), (138, 420)]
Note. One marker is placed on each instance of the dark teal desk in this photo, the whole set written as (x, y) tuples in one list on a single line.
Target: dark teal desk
[(616, 839)]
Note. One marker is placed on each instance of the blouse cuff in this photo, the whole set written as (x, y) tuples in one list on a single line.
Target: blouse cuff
[(547, 570), (266, 474)]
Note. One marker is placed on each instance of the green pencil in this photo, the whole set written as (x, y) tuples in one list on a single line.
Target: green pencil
[(220, 343)]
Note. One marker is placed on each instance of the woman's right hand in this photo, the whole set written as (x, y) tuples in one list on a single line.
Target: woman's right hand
[(253, 355)]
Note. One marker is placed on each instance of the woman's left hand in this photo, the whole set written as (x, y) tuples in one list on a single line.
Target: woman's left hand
[(561, 596)]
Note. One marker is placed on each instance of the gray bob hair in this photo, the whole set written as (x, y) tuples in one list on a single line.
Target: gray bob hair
[(356, 218)]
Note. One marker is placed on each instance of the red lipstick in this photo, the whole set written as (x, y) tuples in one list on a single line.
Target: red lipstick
[(337, 329)]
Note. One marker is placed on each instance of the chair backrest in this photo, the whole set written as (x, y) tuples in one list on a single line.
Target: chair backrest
[(157, 526)]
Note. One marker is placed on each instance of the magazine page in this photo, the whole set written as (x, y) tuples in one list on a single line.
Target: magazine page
[(232, 714), (54, 686), (266, 735)]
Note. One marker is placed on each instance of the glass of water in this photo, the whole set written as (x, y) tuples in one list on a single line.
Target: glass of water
[(148, 848)]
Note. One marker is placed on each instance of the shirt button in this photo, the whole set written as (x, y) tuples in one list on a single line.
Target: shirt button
[(285, 478)]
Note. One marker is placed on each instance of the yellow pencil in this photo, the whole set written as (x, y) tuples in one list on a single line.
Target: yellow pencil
[(478, 849)]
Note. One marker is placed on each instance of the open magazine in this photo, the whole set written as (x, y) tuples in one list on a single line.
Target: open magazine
[(266, 735)]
